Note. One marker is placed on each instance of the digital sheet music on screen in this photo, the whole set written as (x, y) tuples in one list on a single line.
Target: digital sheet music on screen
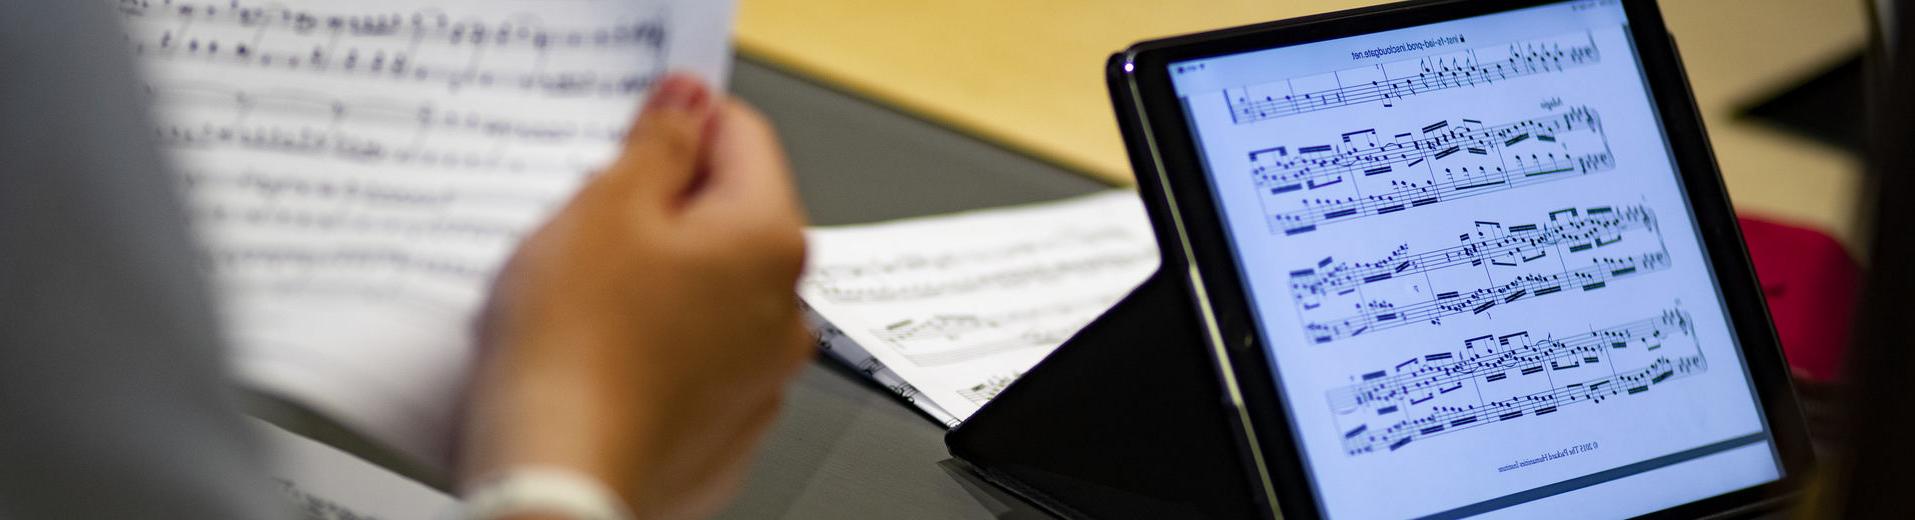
[(1473, 260)]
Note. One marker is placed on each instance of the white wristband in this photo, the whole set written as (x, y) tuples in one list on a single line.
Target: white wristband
[(544, 490)]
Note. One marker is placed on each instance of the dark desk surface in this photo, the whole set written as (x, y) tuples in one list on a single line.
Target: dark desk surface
[(843, 447)]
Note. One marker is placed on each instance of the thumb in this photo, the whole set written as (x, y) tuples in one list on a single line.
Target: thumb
[(662, 156)]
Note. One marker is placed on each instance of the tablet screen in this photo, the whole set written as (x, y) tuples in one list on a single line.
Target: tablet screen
[(1473, 264)]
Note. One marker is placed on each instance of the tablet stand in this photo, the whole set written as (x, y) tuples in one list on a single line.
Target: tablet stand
[(1125, 420)]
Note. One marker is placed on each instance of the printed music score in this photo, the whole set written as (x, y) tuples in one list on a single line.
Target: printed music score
[(369, 164), (446, 110), (1505, 179), (1366, 174), (1500, 378), (947, 311), (1389, 83), (1571, 251)]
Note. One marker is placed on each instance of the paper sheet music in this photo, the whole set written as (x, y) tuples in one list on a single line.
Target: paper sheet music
[(323, 483), (358, 169), (948, 310)]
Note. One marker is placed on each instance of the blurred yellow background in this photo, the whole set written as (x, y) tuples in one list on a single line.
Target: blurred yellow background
[(1029, 74)]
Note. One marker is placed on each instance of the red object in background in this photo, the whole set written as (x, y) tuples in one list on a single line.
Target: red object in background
[(1811, 283)]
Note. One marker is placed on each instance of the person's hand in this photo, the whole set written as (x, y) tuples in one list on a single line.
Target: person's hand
[(644, 336)]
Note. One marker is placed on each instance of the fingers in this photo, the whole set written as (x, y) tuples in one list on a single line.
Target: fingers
[(800, 350), (665, 148), (747, 163)]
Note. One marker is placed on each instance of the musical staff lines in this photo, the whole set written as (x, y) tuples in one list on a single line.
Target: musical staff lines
[(424, 116), (1500, 378), (1572, 250), (1365, 174), (948, 338), (1391, 82), (349, 147), (387, 151), (1077, 252), (423, 24), (374, 132), (987, 390), (834, 342), (427, 46)]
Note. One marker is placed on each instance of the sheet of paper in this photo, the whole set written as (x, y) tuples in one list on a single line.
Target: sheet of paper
[(948, 310), (836, 344), (324, 483), (358, 169)]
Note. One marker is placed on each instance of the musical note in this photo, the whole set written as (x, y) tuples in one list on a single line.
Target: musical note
[(1522, 262), (985, 391), (1389, 83), (1500, 378), (1366, 175)]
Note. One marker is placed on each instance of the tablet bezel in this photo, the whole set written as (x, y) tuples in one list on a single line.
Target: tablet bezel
[(1175, 186)]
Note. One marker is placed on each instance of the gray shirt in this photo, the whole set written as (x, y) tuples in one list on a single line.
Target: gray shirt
[(113, 399)]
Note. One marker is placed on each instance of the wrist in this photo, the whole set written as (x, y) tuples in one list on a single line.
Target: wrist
[(555, 412), (529, 493)]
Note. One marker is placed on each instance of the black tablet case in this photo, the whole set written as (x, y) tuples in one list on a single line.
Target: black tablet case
[(1127, 419), (1123, 421)]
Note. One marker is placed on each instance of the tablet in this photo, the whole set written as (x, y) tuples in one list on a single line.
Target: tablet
[(1461, 259)]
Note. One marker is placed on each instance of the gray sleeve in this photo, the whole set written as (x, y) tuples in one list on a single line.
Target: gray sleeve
[(114, 402)]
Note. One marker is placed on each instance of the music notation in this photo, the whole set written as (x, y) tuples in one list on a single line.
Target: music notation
[(948, 338), (1075, 252), (838, 345), (356, 261), (348, 191), (429, 46), (1368, 173), (353, 144), (1391, 82), (369, 164), (401, 120), (1474, 266), (1500, 378), (1492, 244), (304, 220), (420, 24), (1491, 265), (987, 390), (349, 147), (313, 506)]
